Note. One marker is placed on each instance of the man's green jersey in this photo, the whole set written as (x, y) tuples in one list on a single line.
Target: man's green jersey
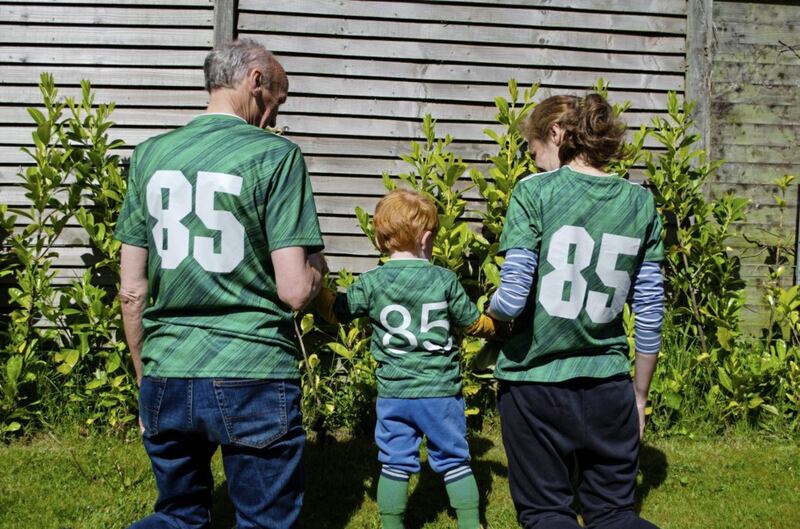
[(591, 234), (210, 201), (411, 304)]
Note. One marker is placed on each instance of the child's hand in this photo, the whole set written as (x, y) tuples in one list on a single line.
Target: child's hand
[(488, 327), (323, 305)]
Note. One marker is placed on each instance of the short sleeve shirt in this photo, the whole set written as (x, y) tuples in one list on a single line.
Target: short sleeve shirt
[(411, 304), (210, 201)]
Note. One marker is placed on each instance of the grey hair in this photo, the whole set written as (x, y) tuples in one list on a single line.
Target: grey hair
[(226, 65)]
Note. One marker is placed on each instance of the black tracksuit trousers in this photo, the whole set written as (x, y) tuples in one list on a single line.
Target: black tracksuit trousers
[(551, 429)]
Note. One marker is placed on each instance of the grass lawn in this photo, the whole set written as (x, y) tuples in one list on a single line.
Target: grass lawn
[(68, 481)]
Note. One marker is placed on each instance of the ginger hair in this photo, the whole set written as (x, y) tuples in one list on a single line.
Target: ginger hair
[(401, 217)]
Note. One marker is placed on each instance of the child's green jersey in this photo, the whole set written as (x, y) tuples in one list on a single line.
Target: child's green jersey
[(591, 233), (210, 201), (411, 304)]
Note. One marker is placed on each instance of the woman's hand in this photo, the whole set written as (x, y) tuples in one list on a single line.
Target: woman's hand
[(641, 404)]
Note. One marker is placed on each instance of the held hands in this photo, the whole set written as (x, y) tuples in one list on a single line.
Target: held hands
[(317, 260)]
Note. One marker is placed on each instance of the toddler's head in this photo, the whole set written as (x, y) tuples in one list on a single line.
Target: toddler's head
[(402, 219)]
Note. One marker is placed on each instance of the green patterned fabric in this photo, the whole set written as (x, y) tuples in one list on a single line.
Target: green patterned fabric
[(210, 201), (591, 234), (411, 304)]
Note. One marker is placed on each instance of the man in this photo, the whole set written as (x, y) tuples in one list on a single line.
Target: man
[(217, 228)]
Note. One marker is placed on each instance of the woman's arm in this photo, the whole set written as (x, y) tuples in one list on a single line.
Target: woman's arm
[(516, 278), (648, 306)]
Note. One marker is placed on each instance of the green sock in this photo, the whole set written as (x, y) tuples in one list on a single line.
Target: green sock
[(392, 499), (463, 494)]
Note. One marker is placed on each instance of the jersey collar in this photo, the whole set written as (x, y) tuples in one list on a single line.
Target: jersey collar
[(225, 114), (407, 261)]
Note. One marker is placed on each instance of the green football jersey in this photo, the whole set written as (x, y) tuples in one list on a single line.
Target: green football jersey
[(210, 201), (591, 233), (411, 304)]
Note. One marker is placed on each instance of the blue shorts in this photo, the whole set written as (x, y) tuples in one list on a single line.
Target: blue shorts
[(402, 423)]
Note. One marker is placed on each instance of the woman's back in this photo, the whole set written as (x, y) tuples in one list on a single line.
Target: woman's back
[(591, 234)]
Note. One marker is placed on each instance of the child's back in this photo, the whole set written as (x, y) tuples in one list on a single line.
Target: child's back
[(412, 305)]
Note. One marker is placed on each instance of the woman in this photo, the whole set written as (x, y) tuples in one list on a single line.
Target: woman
[(575, 240)]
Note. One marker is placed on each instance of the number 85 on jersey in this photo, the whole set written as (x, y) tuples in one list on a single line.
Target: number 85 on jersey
[(168, 220), (551, 293)]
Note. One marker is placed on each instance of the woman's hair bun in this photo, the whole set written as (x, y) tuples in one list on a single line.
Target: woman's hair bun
[(591, 128)]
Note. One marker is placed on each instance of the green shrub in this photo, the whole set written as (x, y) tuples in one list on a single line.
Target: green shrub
[(709, 375), (62, 350), (339, 385), (62, 345)]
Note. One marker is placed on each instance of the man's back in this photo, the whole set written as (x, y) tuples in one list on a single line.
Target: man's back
[(210, 201), (217, 228)]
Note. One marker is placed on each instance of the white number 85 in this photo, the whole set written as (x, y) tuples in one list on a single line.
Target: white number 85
[(552, 290), (168, 220), (425, 325)]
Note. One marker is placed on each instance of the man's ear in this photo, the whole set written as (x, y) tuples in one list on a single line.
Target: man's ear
[(254, 80)]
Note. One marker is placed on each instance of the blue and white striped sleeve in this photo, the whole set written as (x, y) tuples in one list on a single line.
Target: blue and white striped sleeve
[(516, 278), (648, 305)]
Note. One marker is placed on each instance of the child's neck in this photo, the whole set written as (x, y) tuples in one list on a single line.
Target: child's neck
[(406, 254)]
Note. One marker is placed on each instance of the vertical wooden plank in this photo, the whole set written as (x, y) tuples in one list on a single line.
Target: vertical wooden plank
[(224, 21), (699, 56), (797, 240)]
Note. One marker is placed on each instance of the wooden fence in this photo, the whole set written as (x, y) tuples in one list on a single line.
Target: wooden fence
[(145, 56), (362, 75), (755, 123), (364, 72)]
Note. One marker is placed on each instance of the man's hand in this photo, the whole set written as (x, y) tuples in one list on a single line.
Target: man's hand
[(133, 293), (141, 424), (317, 260)]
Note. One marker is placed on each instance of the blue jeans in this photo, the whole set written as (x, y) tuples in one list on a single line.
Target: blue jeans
[(259, 427)]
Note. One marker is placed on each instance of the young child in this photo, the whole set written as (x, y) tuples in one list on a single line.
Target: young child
[(412, 305)]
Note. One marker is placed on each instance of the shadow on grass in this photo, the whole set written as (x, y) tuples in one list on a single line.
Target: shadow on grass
[(653, 465), (222, 514), (336, 474), (429, 498), (340, 473), (653, 468)]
